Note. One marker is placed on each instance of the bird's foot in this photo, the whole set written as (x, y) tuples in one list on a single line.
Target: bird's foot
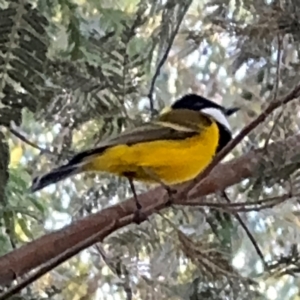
[(170, 192), (139, 216)]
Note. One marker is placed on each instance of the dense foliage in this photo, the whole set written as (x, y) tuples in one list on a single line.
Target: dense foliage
[(75, 72)]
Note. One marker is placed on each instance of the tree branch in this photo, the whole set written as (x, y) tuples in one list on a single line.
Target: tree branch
[(248, 232), (27, 141), (45, 248)]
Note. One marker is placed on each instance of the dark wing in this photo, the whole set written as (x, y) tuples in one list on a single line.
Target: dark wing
[(151, 132), (146, 133)]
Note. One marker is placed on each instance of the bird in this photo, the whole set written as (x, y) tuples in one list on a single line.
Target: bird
[(174, 148)]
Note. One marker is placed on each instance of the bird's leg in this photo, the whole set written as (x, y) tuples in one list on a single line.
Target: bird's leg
[(137, 203), (154, 177), (137, 214)]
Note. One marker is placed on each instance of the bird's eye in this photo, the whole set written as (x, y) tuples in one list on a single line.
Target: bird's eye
[(35, 180)]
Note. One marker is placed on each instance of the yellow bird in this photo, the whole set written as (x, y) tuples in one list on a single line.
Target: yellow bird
[(174, 148)]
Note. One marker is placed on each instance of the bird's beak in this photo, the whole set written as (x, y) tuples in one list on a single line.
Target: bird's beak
[(230, 111)]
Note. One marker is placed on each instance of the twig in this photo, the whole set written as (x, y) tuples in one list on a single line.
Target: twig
[(249, 234), (241, 206), (259, 208), (279, 51), (116, 269), (276, 90), (164, 58), (273, 128), (192, 187), (25, 140)]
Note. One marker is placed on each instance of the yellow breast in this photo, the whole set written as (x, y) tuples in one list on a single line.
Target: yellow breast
[(173, 161)]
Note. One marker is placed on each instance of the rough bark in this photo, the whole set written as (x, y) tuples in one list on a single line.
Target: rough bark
[(45, 248)]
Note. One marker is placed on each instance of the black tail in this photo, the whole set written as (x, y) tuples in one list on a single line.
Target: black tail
[(74, 166), (54, 176)]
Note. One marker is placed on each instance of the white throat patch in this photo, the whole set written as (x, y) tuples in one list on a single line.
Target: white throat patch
[(218, 115)]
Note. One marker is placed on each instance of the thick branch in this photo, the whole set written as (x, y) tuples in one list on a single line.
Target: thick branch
[(45, 248)]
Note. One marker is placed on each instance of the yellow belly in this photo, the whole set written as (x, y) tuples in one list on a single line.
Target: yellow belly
[(172, 161)]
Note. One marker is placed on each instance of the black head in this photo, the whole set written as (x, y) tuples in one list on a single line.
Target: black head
[(217, 112), (197, 102)]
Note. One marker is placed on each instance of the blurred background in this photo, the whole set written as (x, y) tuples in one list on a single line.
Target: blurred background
[(73, 73)]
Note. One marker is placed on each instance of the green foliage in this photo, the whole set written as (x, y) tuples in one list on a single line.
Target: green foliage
[(22, 59), (18, 193), (76, 72), (23, 212)]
